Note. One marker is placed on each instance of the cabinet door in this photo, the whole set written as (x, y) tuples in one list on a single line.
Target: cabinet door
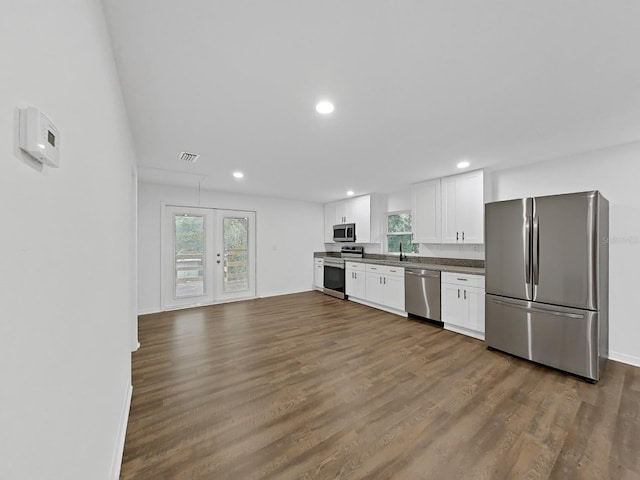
[(355, 285), (470, 207), (350, 282), (340, 213), (360, 286), (374, 288), (393, 292), (426, 212), (475, 304), (454, 308), (329, 221), (450, 233), (318, 277), (359, 212)]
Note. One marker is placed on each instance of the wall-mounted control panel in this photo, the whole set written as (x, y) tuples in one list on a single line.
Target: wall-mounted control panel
[(39, 137)]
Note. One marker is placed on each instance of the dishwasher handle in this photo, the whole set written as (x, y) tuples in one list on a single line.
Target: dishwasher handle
[(423, 273)]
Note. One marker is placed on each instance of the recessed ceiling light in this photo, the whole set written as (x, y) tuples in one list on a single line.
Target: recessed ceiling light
[(350, 192), (238, 174), (464, 164), (324, 107)]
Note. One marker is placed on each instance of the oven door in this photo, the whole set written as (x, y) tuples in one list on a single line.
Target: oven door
[(334, 280)]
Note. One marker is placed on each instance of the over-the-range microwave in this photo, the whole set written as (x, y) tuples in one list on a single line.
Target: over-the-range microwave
[(345, 232)]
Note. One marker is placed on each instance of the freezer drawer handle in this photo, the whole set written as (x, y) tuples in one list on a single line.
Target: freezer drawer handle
[(538, 310)]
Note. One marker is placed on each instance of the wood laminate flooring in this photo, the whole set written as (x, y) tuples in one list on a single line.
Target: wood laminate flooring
[(308, 386)]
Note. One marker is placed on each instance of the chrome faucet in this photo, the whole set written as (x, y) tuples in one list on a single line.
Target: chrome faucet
[(403, 257)]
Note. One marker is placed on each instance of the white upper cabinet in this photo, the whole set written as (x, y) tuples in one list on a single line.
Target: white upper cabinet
[(426, 212), (359, 212), (463, 208), (356, 210)]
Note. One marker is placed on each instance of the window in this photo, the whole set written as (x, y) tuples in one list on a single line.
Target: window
[(399, 233)]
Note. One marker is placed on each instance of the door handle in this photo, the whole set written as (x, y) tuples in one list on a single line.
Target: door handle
[(536, 251), (527, 249)]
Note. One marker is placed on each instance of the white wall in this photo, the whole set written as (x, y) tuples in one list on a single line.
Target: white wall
[(616, 173), (65, 288), (288, 232)]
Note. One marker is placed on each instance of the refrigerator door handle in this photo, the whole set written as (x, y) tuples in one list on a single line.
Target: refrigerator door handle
[(538, 310), (536, 251), (527, 250)]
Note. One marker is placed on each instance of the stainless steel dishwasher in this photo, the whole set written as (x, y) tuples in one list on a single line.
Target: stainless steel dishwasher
[(422, 293)]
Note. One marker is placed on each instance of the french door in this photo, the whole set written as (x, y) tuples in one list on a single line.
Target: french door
[(235, 255), (208, 256)]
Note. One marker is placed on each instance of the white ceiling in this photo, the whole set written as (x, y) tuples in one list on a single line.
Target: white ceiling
[(417, 85)]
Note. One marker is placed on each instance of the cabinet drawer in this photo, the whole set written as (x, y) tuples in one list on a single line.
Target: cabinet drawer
[(463, 279), (395, 271), (319, 261), (385, 270), (359, 267)]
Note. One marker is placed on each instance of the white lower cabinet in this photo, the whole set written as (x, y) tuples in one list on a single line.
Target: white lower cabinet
[(355, 280), (385, 286), (318, 273), (463, 303)]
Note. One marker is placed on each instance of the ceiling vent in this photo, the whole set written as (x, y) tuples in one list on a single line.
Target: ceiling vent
[(189, 157)]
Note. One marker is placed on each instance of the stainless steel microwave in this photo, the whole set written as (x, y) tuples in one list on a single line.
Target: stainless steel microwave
[(344, 233)]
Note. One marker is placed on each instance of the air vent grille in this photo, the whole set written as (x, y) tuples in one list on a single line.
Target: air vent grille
[(189, 157)]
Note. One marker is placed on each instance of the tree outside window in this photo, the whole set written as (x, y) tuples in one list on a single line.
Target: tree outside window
[(399, 233)]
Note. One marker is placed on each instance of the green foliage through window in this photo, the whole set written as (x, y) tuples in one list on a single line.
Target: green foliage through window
[(399, 233)]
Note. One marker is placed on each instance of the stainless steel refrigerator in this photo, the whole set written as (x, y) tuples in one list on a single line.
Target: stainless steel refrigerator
[(547, 280)]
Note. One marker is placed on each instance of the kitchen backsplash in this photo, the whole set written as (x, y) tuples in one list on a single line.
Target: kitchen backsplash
[(466, 252), (460, 262)]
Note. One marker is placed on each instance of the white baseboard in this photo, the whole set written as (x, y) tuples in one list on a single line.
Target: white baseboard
[(624, 358), (286, 292), (464, 331), (118, 451), (379, 307)]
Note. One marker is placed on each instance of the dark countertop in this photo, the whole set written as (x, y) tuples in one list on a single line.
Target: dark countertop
[(470, 268)]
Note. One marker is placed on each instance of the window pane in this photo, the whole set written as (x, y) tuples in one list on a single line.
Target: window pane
[(189, 255), (236, 255), (394, 241), (399, 222)]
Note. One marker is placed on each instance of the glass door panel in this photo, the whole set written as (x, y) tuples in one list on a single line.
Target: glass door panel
[(189, 255), (187, 244), (235, 237), (235, 254)]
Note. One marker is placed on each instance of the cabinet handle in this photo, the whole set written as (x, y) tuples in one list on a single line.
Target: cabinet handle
[(385, 280), (458, 293), (465, 294), (463, 236), (380, 278), (457, 236)]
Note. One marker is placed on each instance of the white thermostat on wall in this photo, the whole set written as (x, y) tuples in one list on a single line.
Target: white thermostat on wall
[(39, 137)]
